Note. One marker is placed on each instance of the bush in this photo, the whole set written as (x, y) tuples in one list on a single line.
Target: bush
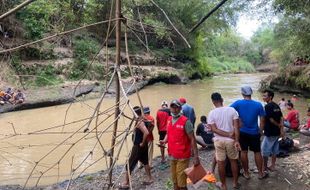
[(83, 50), (47, 76), (229, 65)]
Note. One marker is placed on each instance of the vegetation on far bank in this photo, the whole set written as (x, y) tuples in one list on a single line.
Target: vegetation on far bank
[(216, 46)]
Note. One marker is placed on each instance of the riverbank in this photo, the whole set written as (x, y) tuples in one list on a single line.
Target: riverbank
[(292, 174), (293, 79), (74, 91)]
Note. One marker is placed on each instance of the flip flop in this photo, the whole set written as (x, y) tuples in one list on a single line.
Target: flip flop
[(247, 177), (148, 182), (264, 176), (238, 186), (123, 187)]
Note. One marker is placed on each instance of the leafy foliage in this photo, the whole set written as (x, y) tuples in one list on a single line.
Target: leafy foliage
[(84, 49)]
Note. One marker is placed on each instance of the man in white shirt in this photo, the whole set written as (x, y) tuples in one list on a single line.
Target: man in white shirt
[(224, 124)]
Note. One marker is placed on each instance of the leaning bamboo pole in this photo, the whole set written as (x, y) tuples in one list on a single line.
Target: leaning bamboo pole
[(20, 6), (117, 81)]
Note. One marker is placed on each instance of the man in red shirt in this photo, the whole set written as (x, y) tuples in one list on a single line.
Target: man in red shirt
[(291, 121), (161, 120)]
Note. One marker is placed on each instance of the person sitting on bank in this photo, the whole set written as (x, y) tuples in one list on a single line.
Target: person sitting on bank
[(291, 121), (2, 94), (19, 97), (204, 134), (305, 129), (8, 95), (139, 151)]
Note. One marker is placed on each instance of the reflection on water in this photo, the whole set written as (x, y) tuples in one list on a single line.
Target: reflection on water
[(19, 153)]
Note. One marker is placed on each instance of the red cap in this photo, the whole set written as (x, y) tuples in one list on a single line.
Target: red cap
[(182, 100)]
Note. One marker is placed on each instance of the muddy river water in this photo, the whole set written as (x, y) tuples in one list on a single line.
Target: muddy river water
[(36, 142)]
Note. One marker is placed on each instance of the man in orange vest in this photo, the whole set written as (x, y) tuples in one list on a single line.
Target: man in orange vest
[(181, 142)]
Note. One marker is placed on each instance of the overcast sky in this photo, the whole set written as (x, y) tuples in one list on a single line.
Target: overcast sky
[(247, 26)]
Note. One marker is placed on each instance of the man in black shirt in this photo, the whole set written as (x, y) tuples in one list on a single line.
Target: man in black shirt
[(273, 129)]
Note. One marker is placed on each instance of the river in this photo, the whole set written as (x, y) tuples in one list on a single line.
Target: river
[(24, 146)]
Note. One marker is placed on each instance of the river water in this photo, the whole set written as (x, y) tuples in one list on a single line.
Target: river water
[(40, 145)]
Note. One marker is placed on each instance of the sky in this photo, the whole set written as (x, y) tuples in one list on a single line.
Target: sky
[(247, 26)]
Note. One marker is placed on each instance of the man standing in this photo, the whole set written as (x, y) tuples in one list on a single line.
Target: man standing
[(161, 121), (188, 111), (181, 142), (224, 124), (149, 123), (249, 111), (273, 129), (139, 151)]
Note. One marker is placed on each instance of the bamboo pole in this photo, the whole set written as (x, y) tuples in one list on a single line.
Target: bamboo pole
[(20, 6), (117, 82)]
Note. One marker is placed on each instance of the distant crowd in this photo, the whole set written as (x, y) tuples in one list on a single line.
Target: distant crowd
[(232, 130), (9, 96)]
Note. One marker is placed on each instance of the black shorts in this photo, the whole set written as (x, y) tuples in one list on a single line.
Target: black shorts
[(248, 141), (138, 154), (162, 135)]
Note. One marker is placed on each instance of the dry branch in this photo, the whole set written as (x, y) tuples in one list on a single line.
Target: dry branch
[(20, 6)]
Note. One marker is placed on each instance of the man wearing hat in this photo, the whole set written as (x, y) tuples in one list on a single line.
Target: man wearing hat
[(139, 151), (181, 142), (162, 116), (188, 111), (249, 111)]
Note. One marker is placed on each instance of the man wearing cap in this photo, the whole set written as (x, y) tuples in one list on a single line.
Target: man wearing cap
[(224, 124), (161, 120), (188, 111), (181, 142), (139, 151), (249, 111), (149, 123)]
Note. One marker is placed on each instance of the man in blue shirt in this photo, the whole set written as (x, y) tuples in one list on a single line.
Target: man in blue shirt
[(188, 111), (249, 111)]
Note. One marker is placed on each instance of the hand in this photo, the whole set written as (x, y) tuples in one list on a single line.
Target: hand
[(196, 161), (162, 142), (141, 144), (237, 146), (282, 134), (232, 135)]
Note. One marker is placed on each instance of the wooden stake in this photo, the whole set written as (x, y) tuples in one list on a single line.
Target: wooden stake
[(117, 98)]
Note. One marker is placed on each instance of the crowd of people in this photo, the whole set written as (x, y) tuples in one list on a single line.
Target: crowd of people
[(232, 130), (12, 97)]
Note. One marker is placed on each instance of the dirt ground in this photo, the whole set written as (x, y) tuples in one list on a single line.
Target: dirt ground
[(293, 173)]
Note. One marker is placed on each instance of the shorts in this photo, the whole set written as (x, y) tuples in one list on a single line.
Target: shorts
[(162, 135), (248, 141), (177, 172), (225, 148), (138, 154), (270, 146)]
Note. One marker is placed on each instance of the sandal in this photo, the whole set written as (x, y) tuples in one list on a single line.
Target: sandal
[(238, 186), (264, 176), (123, 187), (148, 182), (247, 177)]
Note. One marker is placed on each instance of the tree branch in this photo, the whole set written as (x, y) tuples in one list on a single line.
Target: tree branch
[(207, 16), (20, 6), (171, 23)]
